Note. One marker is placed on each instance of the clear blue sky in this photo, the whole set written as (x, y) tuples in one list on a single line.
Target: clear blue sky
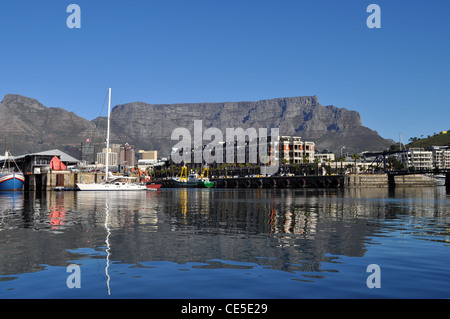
[(165, 51)]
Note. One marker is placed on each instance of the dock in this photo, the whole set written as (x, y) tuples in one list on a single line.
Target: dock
[(335, 181), (66, 181)]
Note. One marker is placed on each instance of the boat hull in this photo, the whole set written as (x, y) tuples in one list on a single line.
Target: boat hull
[(188, 184), (110, 187), (153, 186), (11, 181)]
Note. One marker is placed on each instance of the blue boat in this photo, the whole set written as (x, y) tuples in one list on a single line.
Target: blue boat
[(11, 178), (11, 181)]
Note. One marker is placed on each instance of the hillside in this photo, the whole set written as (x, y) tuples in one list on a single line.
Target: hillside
[(440, 139)]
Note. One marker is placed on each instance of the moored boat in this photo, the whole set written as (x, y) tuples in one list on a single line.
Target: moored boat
[(184, 180), (11, 178), (116, 183), (11, 181), (111, 183), (205, 179), (152, 185), (192, 181)]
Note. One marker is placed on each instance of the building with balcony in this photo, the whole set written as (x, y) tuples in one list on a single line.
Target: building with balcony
[(417, 158), (441, 157), (294, 151)]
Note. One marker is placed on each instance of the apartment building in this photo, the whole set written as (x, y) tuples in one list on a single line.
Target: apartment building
[(441, 157), (294, 151), (112, 157), (418, 158)]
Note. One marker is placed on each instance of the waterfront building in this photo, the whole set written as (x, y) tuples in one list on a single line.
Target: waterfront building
[(127, 155), (36, 163), (119, 154), (294, 151), (417, 158), (148, 155), (89, 151), (291, 149), (148, 160), (324, 157), (112, 160), (441, 157)]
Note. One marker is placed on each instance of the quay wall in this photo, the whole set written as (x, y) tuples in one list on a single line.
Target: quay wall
[(362, 180), (414, 180), (386, 180), (68, 180)]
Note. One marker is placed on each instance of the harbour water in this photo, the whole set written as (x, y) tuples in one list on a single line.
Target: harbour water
[(226, 243)]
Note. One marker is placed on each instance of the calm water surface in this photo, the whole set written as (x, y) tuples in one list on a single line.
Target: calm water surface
[(219, 243)]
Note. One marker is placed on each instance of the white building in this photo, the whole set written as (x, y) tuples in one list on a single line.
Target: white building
[(324, 157), (294, 151), (417, 158), (441, 157)]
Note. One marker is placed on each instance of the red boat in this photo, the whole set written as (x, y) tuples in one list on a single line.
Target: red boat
[(151, 185)]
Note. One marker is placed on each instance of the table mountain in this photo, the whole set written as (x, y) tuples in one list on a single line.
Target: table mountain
[(150, 126), (29, 126)]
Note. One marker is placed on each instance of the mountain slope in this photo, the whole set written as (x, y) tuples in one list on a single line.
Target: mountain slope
[(328, 126), (441, 139), (29, 126)]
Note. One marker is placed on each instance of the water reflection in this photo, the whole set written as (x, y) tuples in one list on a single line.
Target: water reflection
[(293, 230)]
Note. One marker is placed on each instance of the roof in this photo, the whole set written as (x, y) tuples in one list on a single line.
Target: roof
[(63, 156)]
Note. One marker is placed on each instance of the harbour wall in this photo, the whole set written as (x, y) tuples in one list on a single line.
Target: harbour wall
[(388, 180), (67, 180)]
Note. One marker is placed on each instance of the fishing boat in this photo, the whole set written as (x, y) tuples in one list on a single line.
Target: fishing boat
[(192, 180), (112, 183), (205, 178), (185, 180), (11, 178)]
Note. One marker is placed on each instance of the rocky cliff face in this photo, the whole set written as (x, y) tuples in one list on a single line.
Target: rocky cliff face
[(150, 126), (29, 126)]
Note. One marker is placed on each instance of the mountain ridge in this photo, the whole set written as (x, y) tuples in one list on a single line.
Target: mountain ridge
[(34, 127)]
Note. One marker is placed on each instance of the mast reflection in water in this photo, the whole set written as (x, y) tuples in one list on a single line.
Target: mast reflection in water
[(221, 243)]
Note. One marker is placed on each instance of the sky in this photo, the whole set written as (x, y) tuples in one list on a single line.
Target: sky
[(186, 51)]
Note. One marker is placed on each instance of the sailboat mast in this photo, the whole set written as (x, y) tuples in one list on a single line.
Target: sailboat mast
[(107, 137)]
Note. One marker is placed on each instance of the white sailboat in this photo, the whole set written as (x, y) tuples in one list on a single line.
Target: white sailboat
[(112, 183)]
